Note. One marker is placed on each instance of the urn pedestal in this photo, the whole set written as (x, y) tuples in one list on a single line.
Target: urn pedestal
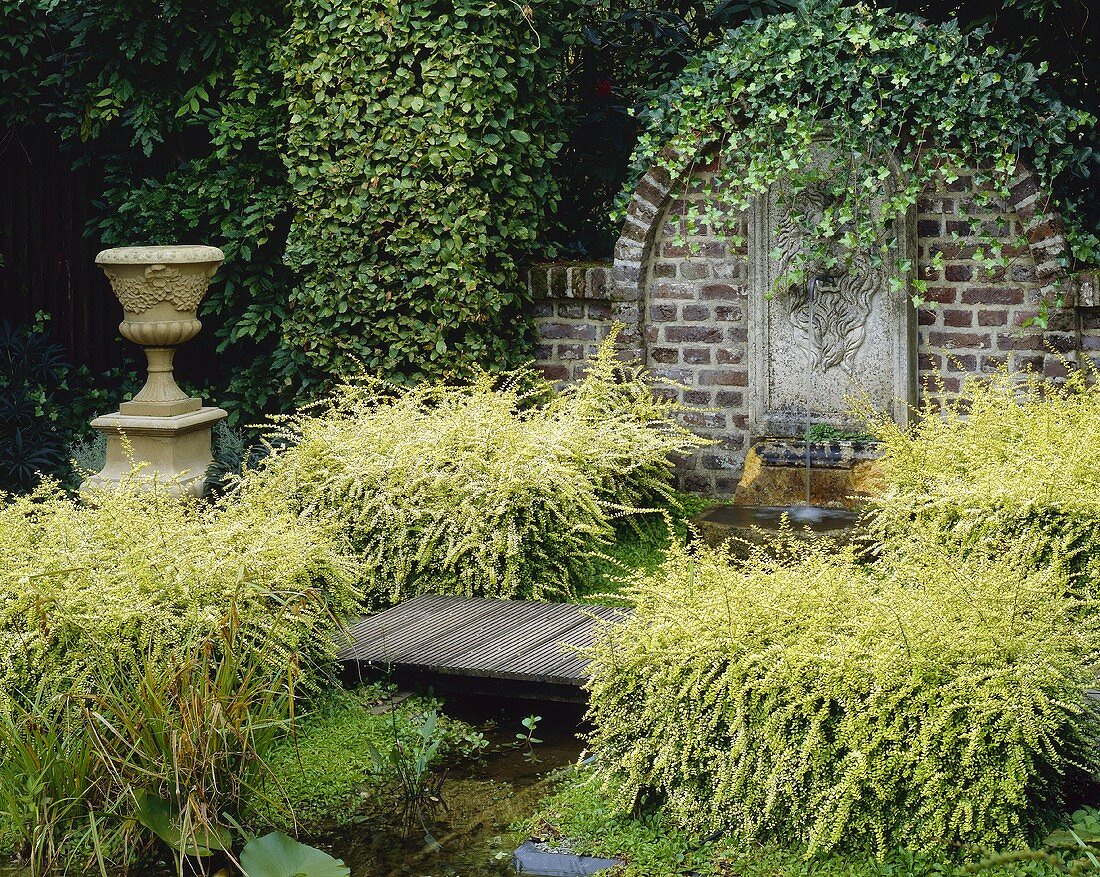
[(161, 427)]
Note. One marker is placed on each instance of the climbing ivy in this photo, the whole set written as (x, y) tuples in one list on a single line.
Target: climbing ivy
[(856, 111), (420, 147)]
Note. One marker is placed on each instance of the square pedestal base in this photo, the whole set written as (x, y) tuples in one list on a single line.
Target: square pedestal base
[(176, 450)]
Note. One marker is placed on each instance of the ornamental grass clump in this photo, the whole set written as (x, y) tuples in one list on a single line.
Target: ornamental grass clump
[(494, 488), (937, 702), (1014, 457), (151, 649)]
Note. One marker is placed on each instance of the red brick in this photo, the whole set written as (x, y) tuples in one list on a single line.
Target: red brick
[(1030, 341), (568, 331), (992, 318), (695, 312), (992, 295), (958, 318), (728, 356), (694, 334), (554, 372), (664, 354), (954, 340), (958, 273), (728, 399), (662, 313), (697, 355), (964, 363), (943, 295), (724, 378), (719, 292)]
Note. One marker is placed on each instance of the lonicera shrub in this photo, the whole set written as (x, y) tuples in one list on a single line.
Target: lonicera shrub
[(126, 577), (490, 488), (151, 650), (1015, 456), (804, 698)]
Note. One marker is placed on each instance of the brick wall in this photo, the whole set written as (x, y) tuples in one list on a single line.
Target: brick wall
[(684, 302)]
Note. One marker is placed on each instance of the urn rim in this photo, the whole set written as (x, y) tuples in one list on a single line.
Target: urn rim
[(165, 254)]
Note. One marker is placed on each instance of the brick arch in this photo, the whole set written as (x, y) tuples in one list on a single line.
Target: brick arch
[(1042, 227)]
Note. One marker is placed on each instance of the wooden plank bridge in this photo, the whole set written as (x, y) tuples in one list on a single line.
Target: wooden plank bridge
[(503, 646)]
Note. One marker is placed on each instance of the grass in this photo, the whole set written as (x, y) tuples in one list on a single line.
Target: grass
[(582, 821), (640, 547), (336, 768)]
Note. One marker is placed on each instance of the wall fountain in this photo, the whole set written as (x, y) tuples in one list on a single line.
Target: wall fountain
[(842, 333)]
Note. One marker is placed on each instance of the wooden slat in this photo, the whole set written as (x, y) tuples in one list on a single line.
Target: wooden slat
[(468, 636)]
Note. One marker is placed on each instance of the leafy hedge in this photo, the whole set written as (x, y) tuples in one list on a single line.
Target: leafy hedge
[(374, 171), (1013, 457), (420, 145), (485, 488), (807, 699)]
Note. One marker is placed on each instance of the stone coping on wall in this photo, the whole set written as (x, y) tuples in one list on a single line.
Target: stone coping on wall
[(593, 281), (584, 280)]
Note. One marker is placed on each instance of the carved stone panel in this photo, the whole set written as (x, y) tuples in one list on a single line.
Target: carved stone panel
[(856, 338)]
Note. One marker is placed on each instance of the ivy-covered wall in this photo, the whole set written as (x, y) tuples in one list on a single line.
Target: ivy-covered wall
[(684, 299), (374, 171)]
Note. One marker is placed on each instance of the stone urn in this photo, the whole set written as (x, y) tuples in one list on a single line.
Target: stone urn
[(161, 427)]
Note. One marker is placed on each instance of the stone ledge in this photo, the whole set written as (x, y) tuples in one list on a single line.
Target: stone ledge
[(1084, 289), (583, 280)]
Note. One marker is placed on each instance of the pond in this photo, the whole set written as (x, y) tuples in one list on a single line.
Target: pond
[(470, 835)]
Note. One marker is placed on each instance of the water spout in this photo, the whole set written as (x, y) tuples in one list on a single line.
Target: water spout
[(811, 290)]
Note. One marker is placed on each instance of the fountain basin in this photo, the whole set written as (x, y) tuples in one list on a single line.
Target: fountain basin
[(748, 526), (842, 474)]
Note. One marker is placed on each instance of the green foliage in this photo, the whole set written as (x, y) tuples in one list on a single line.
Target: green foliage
[(152, 651), (336, 767), (640, 545), (801, 697), (826, 432), (420, 142), (374, 172), (482, 488), (45, 404), (1015, 457), (582, 818), (900, 103)]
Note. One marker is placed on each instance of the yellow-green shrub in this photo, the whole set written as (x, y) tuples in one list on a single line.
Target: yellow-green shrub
[(806, 698), (484, 489), (1015, 456), (125, 578)]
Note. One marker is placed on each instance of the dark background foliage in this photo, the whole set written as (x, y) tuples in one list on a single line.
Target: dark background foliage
[(123, 121)]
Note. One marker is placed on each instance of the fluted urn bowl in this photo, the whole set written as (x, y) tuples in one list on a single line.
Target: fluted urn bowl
[(160, 289)]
